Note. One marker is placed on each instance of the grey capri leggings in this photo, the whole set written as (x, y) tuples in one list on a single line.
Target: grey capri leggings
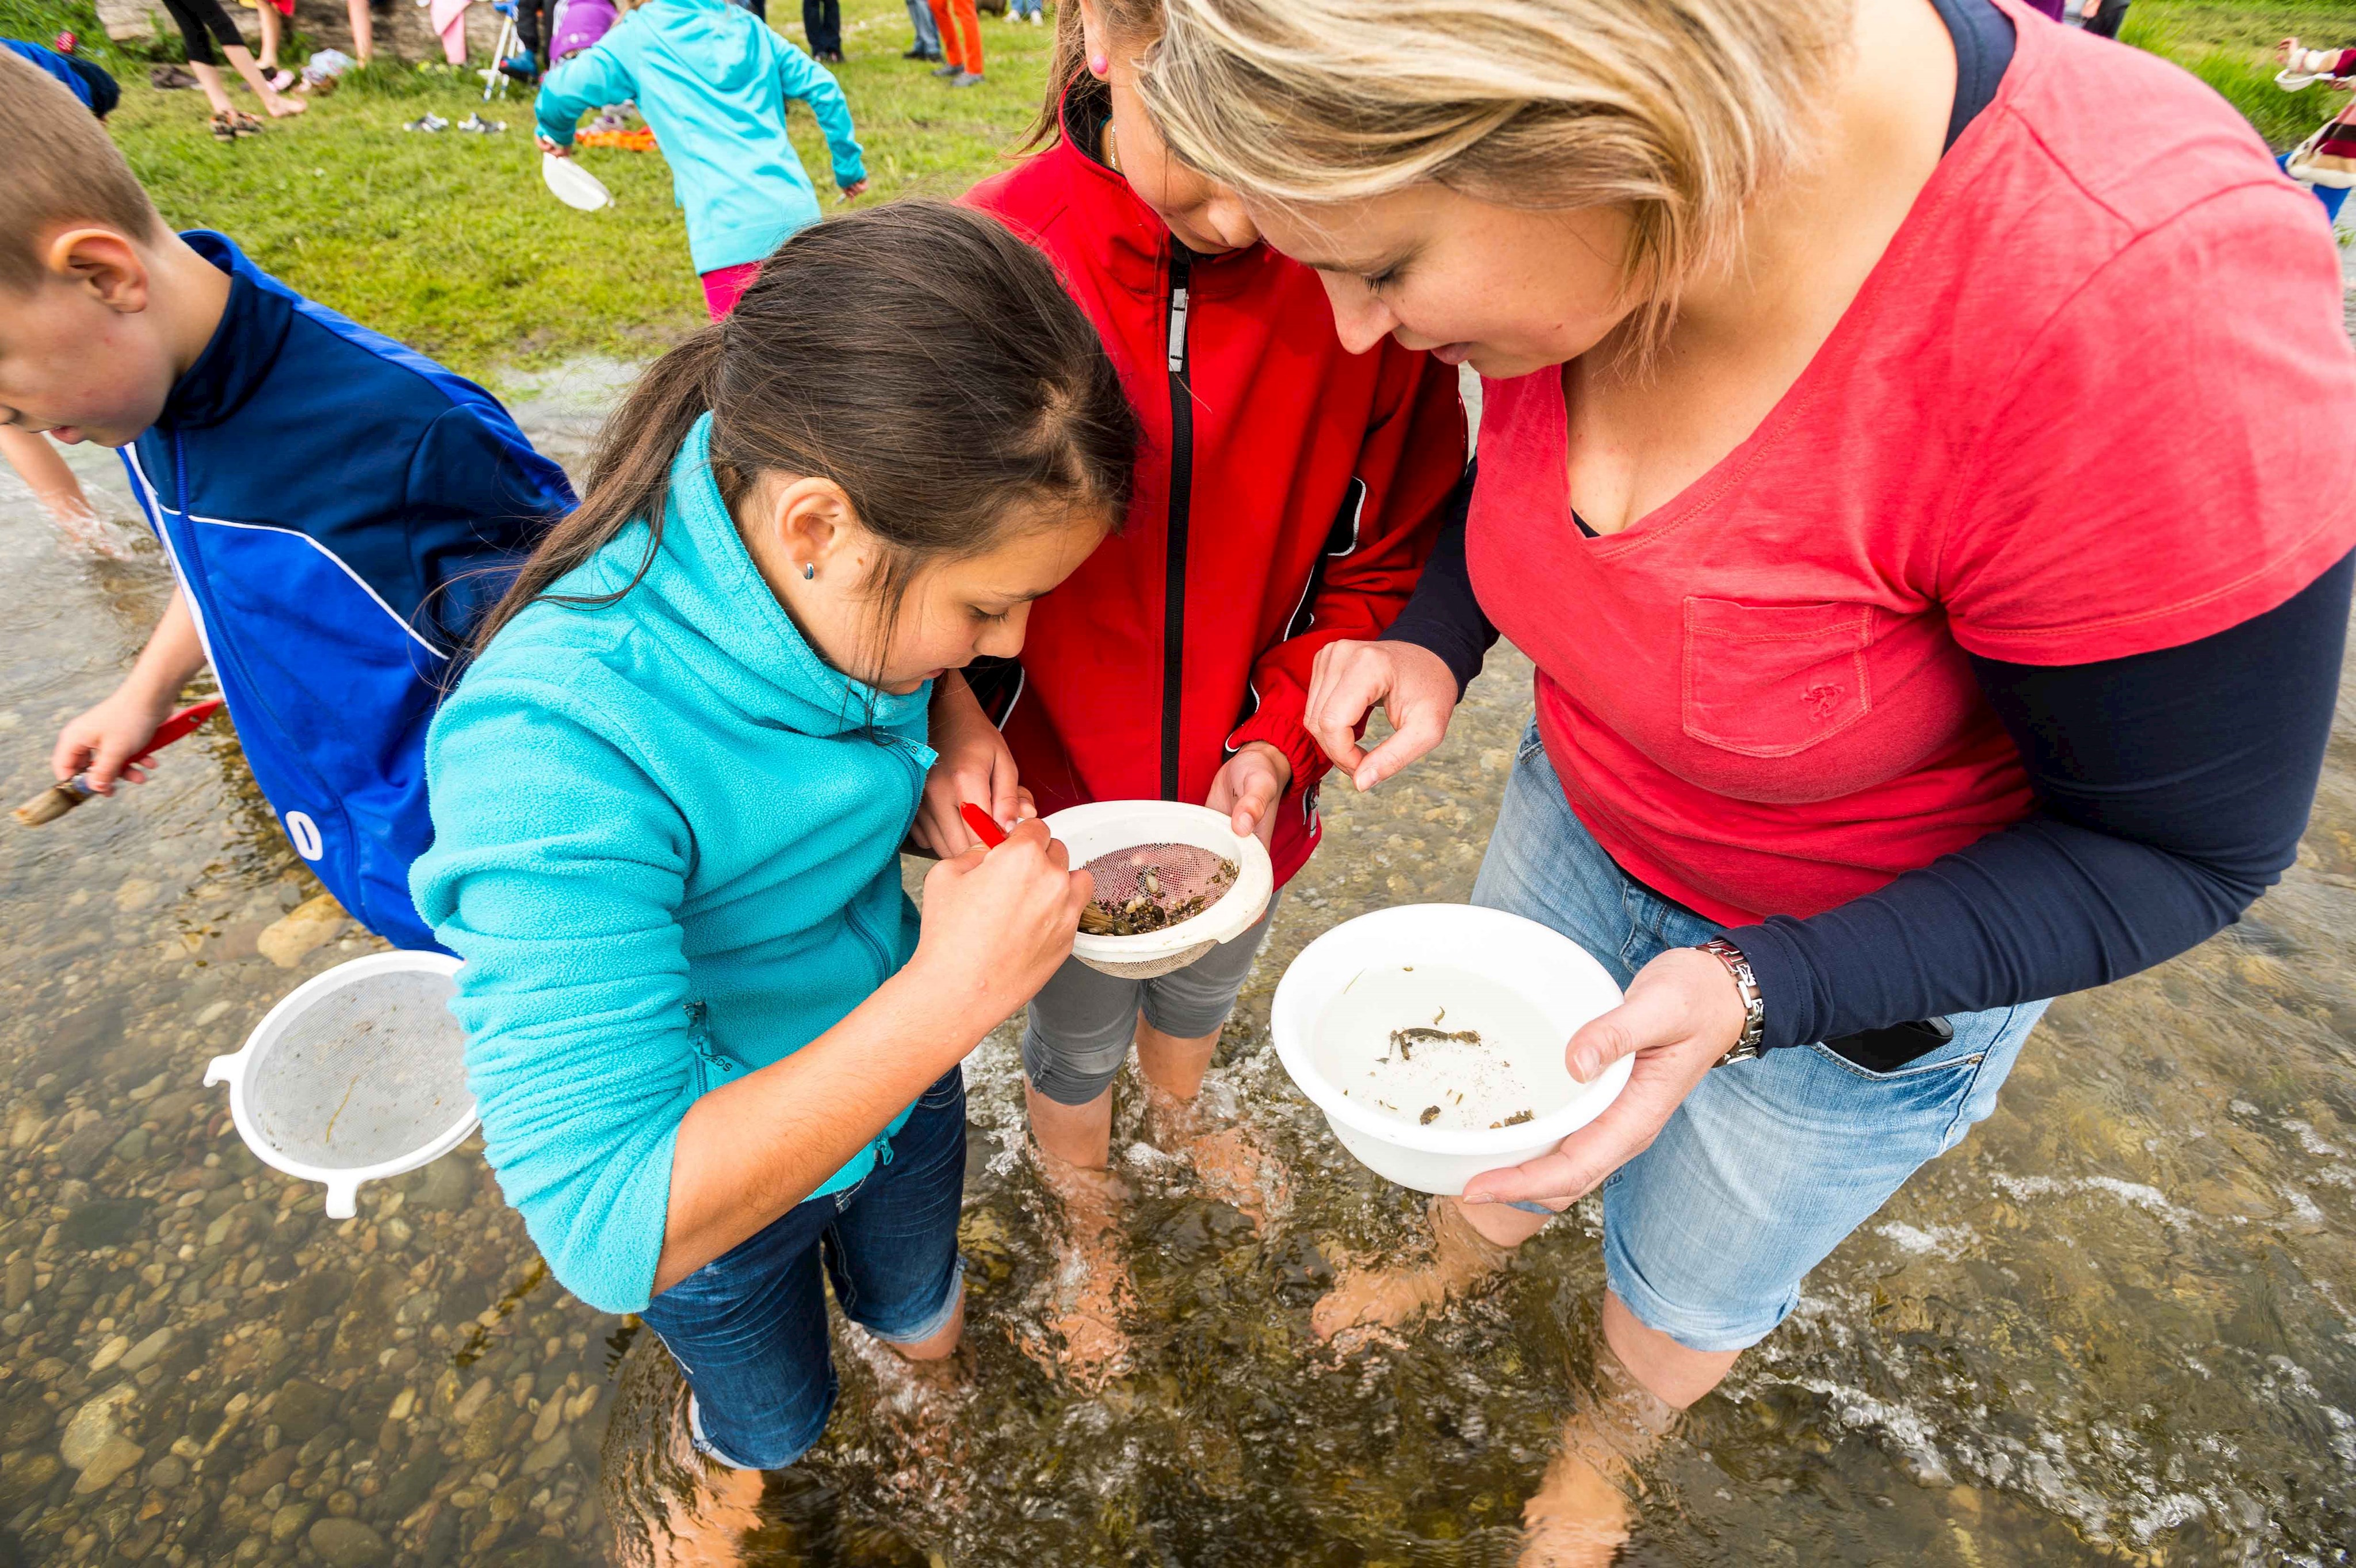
[(1082, 1021)]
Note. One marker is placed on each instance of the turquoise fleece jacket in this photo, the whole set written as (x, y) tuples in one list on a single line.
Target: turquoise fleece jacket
[(713, 82), (666, 842)]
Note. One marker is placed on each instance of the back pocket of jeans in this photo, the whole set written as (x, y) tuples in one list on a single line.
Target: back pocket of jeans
[(1773, 680)]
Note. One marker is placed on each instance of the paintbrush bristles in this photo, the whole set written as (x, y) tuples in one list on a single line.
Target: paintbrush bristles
[(48, 805)]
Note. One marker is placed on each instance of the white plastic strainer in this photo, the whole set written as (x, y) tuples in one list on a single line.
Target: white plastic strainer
[(357, 1075), (1105, 826)]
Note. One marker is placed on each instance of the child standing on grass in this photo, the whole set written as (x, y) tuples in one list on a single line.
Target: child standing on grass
[(337, 510), (713, 82), (1288, 493), (204, 24), (958, 22), (715, 1050)]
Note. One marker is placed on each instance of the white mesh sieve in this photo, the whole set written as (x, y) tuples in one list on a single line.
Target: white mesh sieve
[(373, 1070)]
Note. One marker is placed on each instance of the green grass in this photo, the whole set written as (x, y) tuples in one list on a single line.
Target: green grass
[(451, 243), (2232, 48)]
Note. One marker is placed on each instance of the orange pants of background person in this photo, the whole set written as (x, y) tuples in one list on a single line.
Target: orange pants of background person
[(961, 28)]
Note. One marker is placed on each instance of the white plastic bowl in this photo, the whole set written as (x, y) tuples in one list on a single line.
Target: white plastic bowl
[(1541, 967), (573, 185), (357, 1075), (1100, 829)]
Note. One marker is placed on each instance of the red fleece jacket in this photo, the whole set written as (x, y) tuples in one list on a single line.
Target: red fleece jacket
[(1287, 495)]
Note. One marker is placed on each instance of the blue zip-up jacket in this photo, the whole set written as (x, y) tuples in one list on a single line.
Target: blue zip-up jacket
[(668, 846), (339, 511), (713, 82)]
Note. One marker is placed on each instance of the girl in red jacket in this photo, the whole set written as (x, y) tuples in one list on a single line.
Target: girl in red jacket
[(1287, 494)]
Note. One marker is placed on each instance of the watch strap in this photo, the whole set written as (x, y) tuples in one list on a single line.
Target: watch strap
[(1754, 1004)]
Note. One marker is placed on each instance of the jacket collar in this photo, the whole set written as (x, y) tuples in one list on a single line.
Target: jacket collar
[(244, 345), (1129, 239), (711, 583)]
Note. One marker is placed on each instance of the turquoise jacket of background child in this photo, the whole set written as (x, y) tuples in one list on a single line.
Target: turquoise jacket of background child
[(666, 841), (713, 81)]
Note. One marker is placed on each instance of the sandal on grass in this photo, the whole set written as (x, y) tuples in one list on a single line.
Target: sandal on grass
[(224, 127), (246, 125)]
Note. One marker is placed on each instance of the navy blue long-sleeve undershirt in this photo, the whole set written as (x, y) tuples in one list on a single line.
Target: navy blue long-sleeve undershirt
[(2172, 788)]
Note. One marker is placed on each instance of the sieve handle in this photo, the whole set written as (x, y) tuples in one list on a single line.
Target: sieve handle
[(343, 1200), (223, 1069)]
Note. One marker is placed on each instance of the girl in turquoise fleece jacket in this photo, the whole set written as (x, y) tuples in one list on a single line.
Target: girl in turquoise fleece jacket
[(713, 81), (713, 1045)]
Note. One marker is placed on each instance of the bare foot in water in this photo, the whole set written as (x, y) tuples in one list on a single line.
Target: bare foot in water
[(1463, 1259), (1581, 1514), (1092, 1285), (1232, 1164), (670, 1506)]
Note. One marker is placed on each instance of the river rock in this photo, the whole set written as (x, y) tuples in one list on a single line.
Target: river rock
[(303, 1410), (140, 1355), (82, 1151), (25, 1475), (447, 1184), (132, 1146), (311, 1298), (264, 1473), (288, 1521), (547, 1456), (411, 1484), (166, 1473), (116, 1455), (110, 1353), (24, 1420), (19, 1287), (102, 1222), (348, 1543), (94, 1425), (311, 924)]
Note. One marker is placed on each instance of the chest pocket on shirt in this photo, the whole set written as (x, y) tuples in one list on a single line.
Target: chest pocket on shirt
[(1773, 680)]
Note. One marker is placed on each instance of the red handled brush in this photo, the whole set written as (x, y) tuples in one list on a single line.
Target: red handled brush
[(58, 799)]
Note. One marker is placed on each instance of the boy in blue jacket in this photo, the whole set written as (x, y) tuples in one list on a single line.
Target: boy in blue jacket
[(713, 81), (336, 509)]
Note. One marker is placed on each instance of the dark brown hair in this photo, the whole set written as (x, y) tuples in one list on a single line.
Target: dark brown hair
[(62, 166), (916, 354)]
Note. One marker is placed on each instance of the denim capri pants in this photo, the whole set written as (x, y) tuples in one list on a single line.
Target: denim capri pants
[(1768, 1163), (749, 1329), (1081, 1022)]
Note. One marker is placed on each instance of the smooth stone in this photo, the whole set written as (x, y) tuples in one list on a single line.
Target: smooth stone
[(311, 924), (447, 1184), (25, 1475), (111, 1352), (112, 1458), (288, 1523), (166, 1473), (19, 1288), (132, 1146), (102, 1222), (348, 1543), (264, 1473), (147, 1349), (94, 1425), (303, 1410), (547, 1456), (82, 1151)]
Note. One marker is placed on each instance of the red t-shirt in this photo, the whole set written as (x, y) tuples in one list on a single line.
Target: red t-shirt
[(2095, 399)]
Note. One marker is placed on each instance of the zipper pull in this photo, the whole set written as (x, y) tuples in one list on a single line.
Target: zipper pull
[(1178, 329)]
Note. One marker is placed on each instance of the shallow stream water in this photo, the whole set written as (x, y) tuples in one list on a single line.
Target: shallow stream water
[(2117, 1325)]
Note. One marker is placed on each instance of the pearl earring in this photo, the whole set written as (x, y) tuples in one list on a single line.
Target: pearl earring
[(1099, 66), (810, 570)]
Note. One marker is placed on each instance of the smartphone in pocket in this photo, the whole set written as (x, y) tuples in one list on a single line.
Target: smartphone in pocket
[(1887, 1049)]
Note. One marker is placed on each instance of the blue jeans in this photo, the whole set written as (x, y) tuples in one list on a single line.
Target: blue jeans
[(749, 1328), (1017, 9), (1768, 1163), (928, 38)]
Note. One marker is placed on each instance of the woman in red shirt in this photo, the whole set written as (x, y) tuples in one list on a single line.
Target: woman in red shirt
[(1919, 634), (1288, 491)]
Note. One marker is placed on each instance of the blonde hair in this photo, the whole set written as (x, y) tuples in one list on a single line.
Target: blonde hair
[(1679, 112)]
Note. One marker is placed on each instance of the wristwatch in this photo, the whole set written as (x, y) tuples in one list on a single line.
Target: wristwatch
[(1755, 1006)]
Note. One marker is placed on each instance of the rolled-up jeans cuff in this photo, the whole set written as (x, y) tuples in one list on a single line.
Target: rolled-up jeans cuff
[(938, 1321)]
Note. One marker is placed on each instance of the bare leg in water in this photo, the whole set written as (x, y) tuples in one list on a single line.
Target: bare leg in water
[(1578, 1516), (1075, 1146), (671, 1507)]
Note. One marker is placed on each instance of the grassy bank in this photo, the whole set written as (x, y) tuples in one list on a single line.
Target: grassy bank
[(450, 242)]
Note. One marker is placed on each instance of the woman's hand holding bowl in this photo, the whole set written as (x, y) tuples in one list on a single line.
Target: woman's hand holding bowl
[(1681, 1013)]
